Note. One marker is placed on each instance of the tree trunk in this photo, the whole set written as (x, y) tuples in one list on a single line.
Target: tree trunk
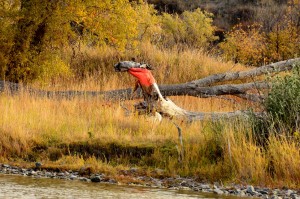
[(204, 87), (199, 88)]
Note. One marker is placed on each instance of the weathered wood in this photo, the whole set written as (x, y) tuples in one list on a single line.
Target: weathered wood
[(204, 92), (204, 87), (168, 107), (199, 88), (229, 76)]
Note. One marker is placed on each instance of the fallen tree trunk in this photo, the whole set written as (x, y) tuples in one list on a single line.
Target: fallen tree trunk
[(199, 88), (169, 108), (203, 87), (229, 76)]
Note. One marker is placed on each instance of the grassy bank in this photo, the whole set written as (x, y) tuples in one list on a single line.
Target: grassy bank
[(96, 134), (71, 134)]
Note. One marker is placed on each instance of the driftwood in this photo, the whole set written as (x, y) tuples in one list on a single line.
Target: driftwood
[(203, 88), (199, 88)]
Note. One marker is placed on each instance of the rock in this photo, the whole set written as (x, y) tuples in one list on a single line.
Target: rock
[(38, 165), (196, 189), (250, 189), (84, 179), (204, 186), (96, 179), (32, 173), (133, 170), (61, 174), (294, 196), (15, 171), (241, 193), (112, 181), (276, 197), (48, 174), (184, 184), (73, 177), (218, 191), (289, 192), (263, 191)]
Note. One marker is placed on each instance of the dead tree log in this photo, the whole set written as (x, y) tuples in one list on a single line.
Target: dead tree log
[(199, 88), (204, 87), (169, 108), (267, 69), (204, 92)]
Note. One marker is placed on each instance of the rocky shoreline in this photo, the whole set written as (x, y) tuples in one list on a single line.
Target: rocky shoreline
[(167, 182)]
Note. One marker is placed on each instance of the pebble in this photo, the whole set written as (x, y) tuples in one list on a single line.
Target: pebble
[(176, 183)]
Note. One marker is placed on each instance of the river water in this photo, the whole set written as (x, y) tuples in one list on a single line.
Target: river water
[(15, 187)]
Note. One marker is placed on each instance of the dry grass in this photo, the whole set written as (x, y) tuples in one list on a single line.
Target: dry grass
[(170, 66), (213, 150), (284, 160), (218, 150)]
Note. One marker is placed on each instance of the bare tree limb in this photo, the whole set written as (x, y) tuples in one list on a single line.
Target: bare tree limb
[(203, 88), (271, 68), (167, 107), (227, 89), (199, 88), (251, 97)]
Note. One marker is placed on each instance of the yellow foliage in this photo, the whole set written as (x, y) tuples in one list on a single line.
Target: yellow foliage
[(245, 46), (283, 42), (49, 65), (193, 29)]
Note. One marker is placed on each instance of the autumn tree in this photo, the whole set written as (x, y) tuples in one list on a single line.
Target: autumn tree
[(193, 29), (8, 15), (284, 37), (245, 45), (43, 32)]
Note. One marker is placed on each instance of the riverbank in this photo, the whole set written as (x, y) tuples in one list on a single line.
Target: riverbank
[(134, 179), (78, 133)]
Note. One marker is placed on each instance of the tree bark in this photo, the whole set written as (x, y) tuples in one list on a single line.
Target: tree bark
[(204, 87), (199, 88)]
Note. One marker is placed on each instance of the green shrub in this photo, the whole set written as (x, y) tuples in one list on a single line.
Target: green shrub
[(283, 102), (282, 109)]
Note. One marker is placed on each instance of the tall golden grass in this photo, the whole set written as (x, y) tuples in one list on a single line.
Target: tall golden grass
[(213, 150), (222, 150), (94, 67)]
